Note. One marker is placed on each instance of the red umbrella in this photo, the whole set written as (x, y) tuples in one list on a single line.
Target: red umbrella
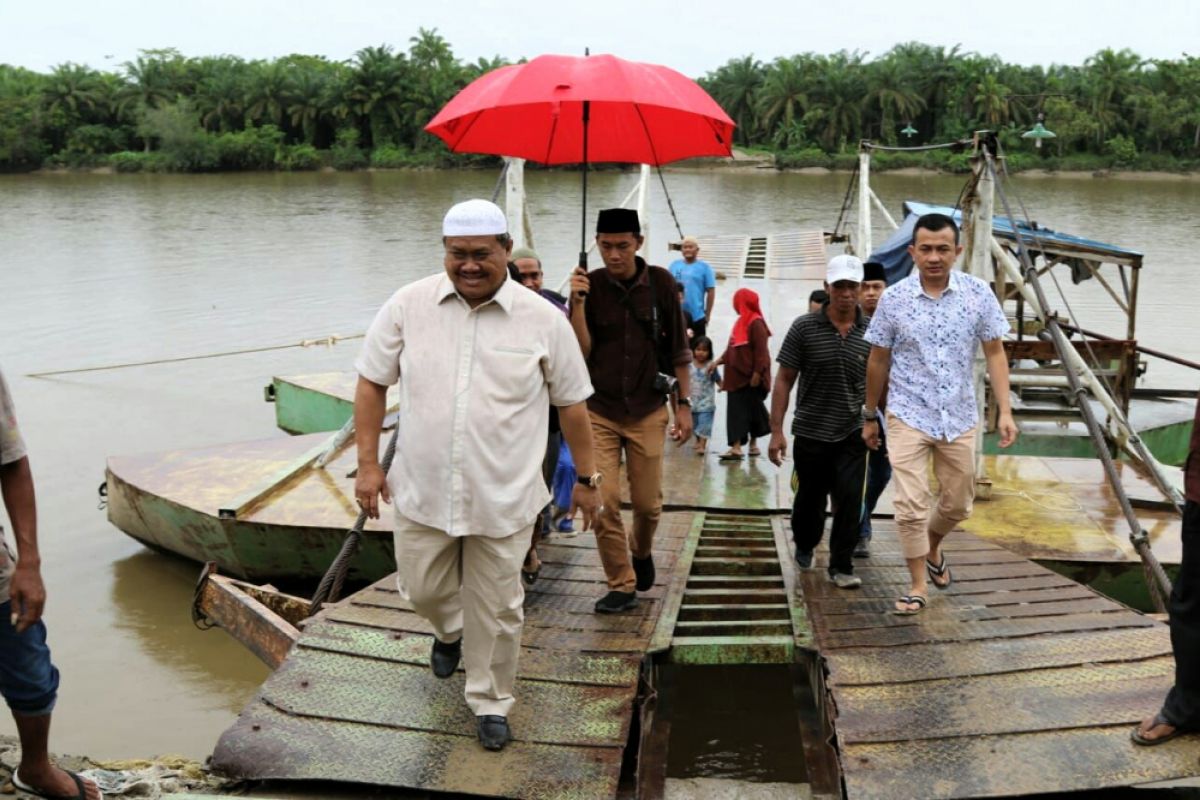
[(571, 110)]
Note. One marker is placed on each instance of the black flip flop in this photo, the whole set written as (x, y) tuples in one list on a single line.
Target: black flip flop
[(940, 571), (1159, 719), (81, 790), (908, 600)]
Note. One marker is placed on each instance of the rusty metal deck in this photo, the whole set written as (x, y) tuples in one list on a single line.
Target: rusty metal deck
[(355, 700), (1014, 681)]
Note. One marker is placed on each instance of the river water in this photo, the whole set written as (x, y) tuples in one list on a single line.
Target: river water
[(105, 269)]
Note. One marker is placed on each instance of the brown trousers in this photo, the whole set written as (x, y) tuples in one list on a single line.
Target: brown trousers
[(910, 452), (642, 441)]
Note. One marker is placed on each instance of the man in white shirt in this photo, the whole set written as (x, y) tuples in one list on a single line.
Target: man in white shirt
[(479, 362)]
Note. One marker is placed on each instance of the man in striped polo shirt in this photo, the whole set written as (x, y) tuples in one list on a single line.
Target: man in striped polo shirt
[(825, 349)]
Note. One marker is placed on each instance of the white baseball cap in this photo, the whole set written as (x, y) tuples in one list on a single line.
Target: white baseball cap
[(844, 268), (474, 218)]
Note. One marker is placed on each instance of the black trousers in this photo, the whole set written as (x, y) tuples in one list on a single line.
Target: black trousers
[(825, 470), (699, 327), (1182, 707), (746, 415)]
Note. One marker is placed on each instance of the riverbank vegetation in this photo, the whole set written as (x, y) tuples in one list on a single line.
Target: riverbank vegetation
[(167, 112)]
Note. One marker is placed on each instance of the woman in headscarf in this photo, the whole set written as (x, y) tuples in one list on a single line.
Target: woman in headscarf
[(747, 362)]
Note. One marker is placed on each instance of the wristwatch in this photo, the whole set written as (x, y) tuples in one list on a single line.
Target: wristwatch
[(684, 401), (869, 415), (590, 481)]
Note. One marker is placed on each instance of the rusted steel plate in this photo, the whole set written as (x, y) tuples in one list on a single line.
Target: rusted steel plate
[(1046, 699), (548, 587), (993, 766), (335, 686), (986, 629), (533, 636), (265, 633), (925, 662), (268, 744), (551, 665), (816, 585), (578, 615), (834, 605), (961, 573), (943, 612)]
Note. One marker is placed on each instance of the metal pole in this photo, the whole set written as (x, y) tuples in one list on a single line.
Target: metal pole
[(978, 262), (514, 200), (643, 209), (862, 247), (587, 112)]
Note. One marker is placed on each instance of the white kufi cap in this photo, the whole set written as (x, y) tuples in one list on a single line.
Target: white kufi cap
[(474, 218), (844, 268)]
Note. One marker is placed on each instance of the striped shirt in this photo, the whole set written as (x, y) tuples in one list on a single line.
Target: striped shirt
[(833, 375)]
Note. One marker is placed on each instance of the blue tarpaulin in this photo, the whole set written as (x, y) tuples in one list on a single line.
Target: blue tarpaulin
[(893, 253)]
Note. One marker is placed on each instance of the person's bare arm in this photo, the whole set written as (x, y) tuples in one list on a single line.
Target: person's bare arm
[(997, 370), (683, 414), (577, 431), (27, 591), (879, 364), (710, 297), (785, 379), (370, 403)]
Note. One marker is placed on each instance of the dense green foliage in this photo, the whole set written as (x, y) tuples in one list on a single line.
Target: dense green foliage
[(167, 112), (1116, 110)]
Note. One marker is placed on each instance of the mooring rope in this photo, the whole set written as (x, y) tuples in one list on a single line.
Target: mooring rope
[(327, 341), (330, 587)]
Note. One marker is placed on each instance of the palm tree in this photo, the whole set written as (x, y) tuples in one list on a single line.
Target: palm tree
[(267, 95), (72, 89), (149, 83), (889, 90), (783, 96), (991, 101), (377, 91), (221, 93), (836, 108), (307, 101), (735, 87), (1111, 77)]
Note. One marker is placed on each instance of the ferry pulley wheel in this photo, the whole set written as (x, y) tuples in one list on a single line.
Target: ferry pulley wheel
[(585, 109)]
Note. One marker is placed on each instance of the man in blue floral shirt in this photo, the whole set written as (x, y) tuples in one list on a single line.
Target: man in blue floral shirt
[(923, 335)]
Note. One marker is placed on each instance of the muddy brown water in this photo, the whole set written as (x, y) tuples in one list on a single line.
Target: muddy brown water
[(101, 269)]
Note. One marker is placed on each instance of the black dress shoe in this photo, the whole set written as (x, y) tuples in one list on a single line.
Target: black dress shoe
[(444, 657), (493, 731), (643, 568), (614, 602)]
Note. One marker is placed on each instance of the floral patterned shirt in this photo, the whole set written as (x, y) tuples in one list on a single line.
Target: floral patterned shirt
[(704, 388), (933, 342)]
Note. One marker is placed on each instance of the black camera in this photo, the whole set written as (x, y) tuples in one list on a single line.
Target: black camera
[(665, 384)]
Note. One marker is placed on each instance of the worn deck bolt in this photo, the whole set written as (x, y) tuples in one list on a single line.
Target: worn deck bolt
[(256, 727), (304, 684)]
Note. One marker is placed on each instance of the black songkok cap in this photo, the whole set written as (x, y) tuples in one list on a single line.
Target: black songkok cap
[(873, 271), (618, 220)]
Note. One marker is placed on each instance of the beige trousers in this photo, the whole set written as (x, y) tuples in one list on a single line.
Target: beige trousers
[(910, 451), (642, 442), (469, 587)]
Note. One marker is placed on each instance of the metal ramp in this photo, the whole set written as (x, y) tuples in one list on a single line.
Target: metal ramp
[(1013, 681), (355, 700), (736, 605), (795, 255)]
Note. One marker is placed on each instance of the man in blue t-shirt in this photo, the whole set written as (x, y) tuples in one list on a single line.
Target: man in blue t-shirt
[(699, 285)]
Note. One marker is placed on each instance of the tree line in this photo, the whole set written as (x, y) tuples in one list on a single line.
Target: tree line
[(165, 111)]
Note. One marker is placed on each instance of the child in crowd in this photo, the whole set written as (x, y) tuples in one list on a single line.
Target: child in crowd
[(704, 391)]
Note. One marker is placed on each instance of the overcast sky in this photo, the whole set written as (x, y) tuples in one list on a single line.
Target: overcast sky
[(693, 37)]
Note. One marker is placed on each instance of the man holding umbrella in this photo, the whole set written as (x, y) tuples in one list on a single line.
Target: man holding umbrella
[(629, 324)]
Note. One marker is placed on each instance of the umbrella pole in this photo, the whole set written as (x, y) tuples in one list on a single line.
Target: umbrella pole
[(587, 108)]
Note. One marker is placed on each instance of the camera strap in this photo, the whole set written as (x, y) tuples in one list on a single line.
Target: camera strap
[(655, 322)]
